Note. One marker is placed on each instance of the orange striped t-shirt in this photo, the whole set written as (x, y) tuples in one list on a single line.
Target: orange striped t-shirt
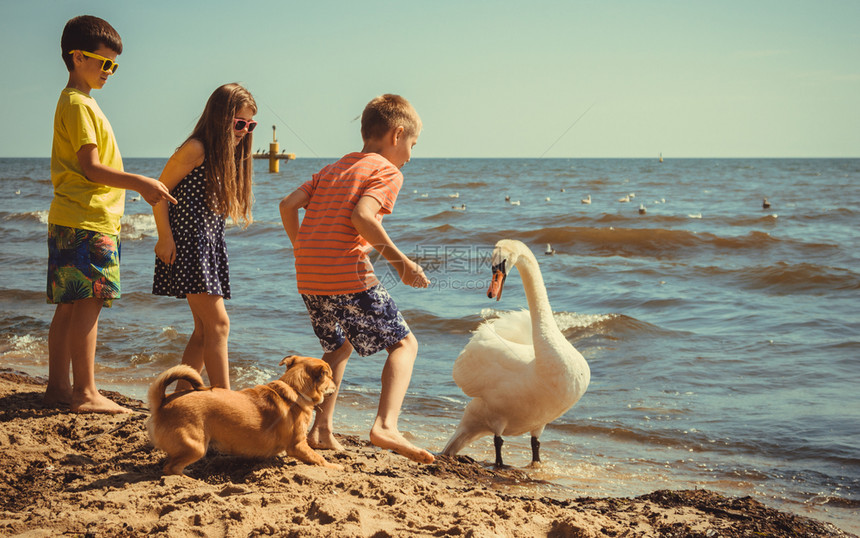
[(331, 256)]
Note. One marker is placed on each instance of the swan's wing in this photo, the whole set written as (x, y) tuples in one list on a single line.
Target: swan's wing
[(513, 326), (489, 362)]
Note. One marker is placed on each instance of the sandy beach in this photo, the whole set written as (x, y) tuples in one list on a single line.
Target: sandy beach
[(97, 475)]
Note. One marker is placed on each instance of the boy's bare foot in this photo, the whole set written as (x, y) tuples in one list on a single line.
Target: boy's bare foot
[(394, 441), (321, 440), (98, 404), (56, 397)]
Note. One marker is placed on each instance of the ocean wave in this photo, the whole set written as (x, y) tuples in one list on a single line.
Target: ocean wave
[(431, 323), (614, 218), (611, 219), (833, 500), (445, 215), (258, 228), (698, 441), (463, 186), (137, 226), (612, 241), (669, 438), (28, 216), (566, 321), (788, 278), (15, 346), (763, 220), (15, 295), (804, 277), (650, 242), (623, 325)]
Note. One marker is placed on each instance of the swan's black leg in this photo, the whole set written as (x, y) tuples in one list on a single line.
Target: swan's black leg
[(535, 450), (497, 441)]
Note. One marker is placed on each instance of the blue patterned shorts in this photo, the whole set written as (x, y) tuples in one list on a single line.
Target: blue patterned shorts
[(82, 264), (369, 319)]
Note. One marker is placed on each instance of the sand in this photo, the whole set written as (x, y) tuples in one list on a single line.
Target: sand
[(97, 475)]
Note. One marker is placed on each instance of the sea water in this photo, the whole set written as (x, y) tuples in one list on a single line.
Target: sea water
[(723, 337)]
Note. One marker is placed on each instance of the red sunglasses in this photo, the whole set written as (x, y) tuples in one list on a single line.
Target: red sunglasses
[(239, 124)]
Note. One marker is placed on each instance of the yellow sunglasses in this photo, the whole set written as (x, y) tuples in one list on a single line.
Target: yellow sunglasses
[(108, 65)]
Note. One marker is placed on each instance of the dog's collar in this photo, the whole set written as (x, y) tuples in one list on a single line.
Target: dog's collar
[(305, 396)]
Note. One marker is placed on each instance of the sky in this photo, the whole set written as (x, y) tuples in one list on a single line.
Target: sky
[(543, 78)]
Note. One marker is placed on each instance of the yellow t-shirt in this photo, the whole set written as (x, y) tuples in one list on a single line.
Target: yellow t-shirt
[(79, 202)]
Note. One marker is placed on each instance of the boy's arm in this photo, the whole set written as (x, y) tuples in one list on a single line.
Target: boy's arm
[(151, 190), (365, 222), (289, 208), (189, 156)]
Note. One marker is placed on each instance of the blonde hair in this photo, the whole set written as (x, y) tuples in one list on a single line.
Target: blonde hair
[(386, 112), (229, 167)]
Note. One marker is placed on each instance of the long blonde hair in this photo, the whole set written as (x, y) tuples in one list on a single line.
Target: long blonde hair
[(229, 167)]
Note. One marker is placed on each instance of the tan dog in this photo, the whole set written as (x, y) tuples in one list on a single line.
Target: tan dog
[(261, 421)]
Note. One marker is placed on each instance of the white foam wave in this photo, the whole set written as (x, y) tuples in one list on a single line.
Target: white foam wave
[(22, 346), (39, 216), (564, 320), (570, 320), (138, 226), (170, 332)]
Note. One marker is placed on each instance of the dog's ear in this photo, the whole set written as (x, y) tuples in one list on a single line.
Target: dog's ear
[(288, 361), (321, 371)]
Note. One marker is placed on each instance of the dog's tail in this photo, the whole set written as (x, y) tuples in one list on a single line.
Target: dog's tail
[(180, 372)]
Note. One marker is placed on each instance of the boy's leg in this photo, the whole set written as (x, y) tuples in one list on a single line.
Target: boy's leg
[(59, 389), (208, 343), (321, 434), (81, 338), (395, 381)]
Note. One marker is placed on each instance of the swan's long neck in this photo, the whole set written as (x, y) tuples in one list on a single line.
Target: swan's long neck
[(543, 323)]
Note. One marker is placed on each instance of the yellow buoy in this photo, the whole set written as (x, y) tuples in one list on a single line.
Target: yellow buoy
[(274, 162)]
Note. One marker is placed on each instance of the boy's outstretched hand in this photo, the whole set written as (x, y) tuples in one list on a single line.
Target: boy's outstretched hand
[(413, 275), (154, 191)]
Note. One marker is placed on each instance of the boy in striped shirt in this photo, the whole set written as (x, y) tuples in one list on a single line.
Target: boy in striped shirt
[(349, 308)]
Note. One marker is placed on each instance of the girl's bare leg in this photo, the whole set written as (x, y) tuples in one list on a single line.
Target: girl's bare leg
[(208, 343)]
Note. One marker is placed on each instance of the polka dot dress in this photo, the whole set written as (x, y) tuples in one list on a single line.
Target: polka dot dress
[(201, 254)]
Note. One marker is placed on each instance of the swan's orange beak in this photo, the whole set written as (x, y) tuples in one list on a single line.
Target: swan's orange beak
[(498, 282)]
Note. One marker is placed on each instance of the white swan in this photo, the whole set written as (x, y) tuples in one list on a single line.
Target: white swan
[(519, 369), (586, 200)]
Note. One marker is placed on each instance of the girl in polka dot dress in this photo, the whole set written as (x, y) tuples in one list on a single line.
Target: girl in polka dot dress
[(210, 176)]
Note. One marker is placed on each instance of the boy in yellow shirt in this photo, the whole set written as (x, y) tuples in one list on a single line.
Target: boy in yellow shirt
[(84, 219)]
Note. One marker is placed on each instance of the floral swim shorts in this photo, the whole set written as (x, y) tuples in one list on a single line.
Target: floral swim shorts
[(82, 264), (369, 319)]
